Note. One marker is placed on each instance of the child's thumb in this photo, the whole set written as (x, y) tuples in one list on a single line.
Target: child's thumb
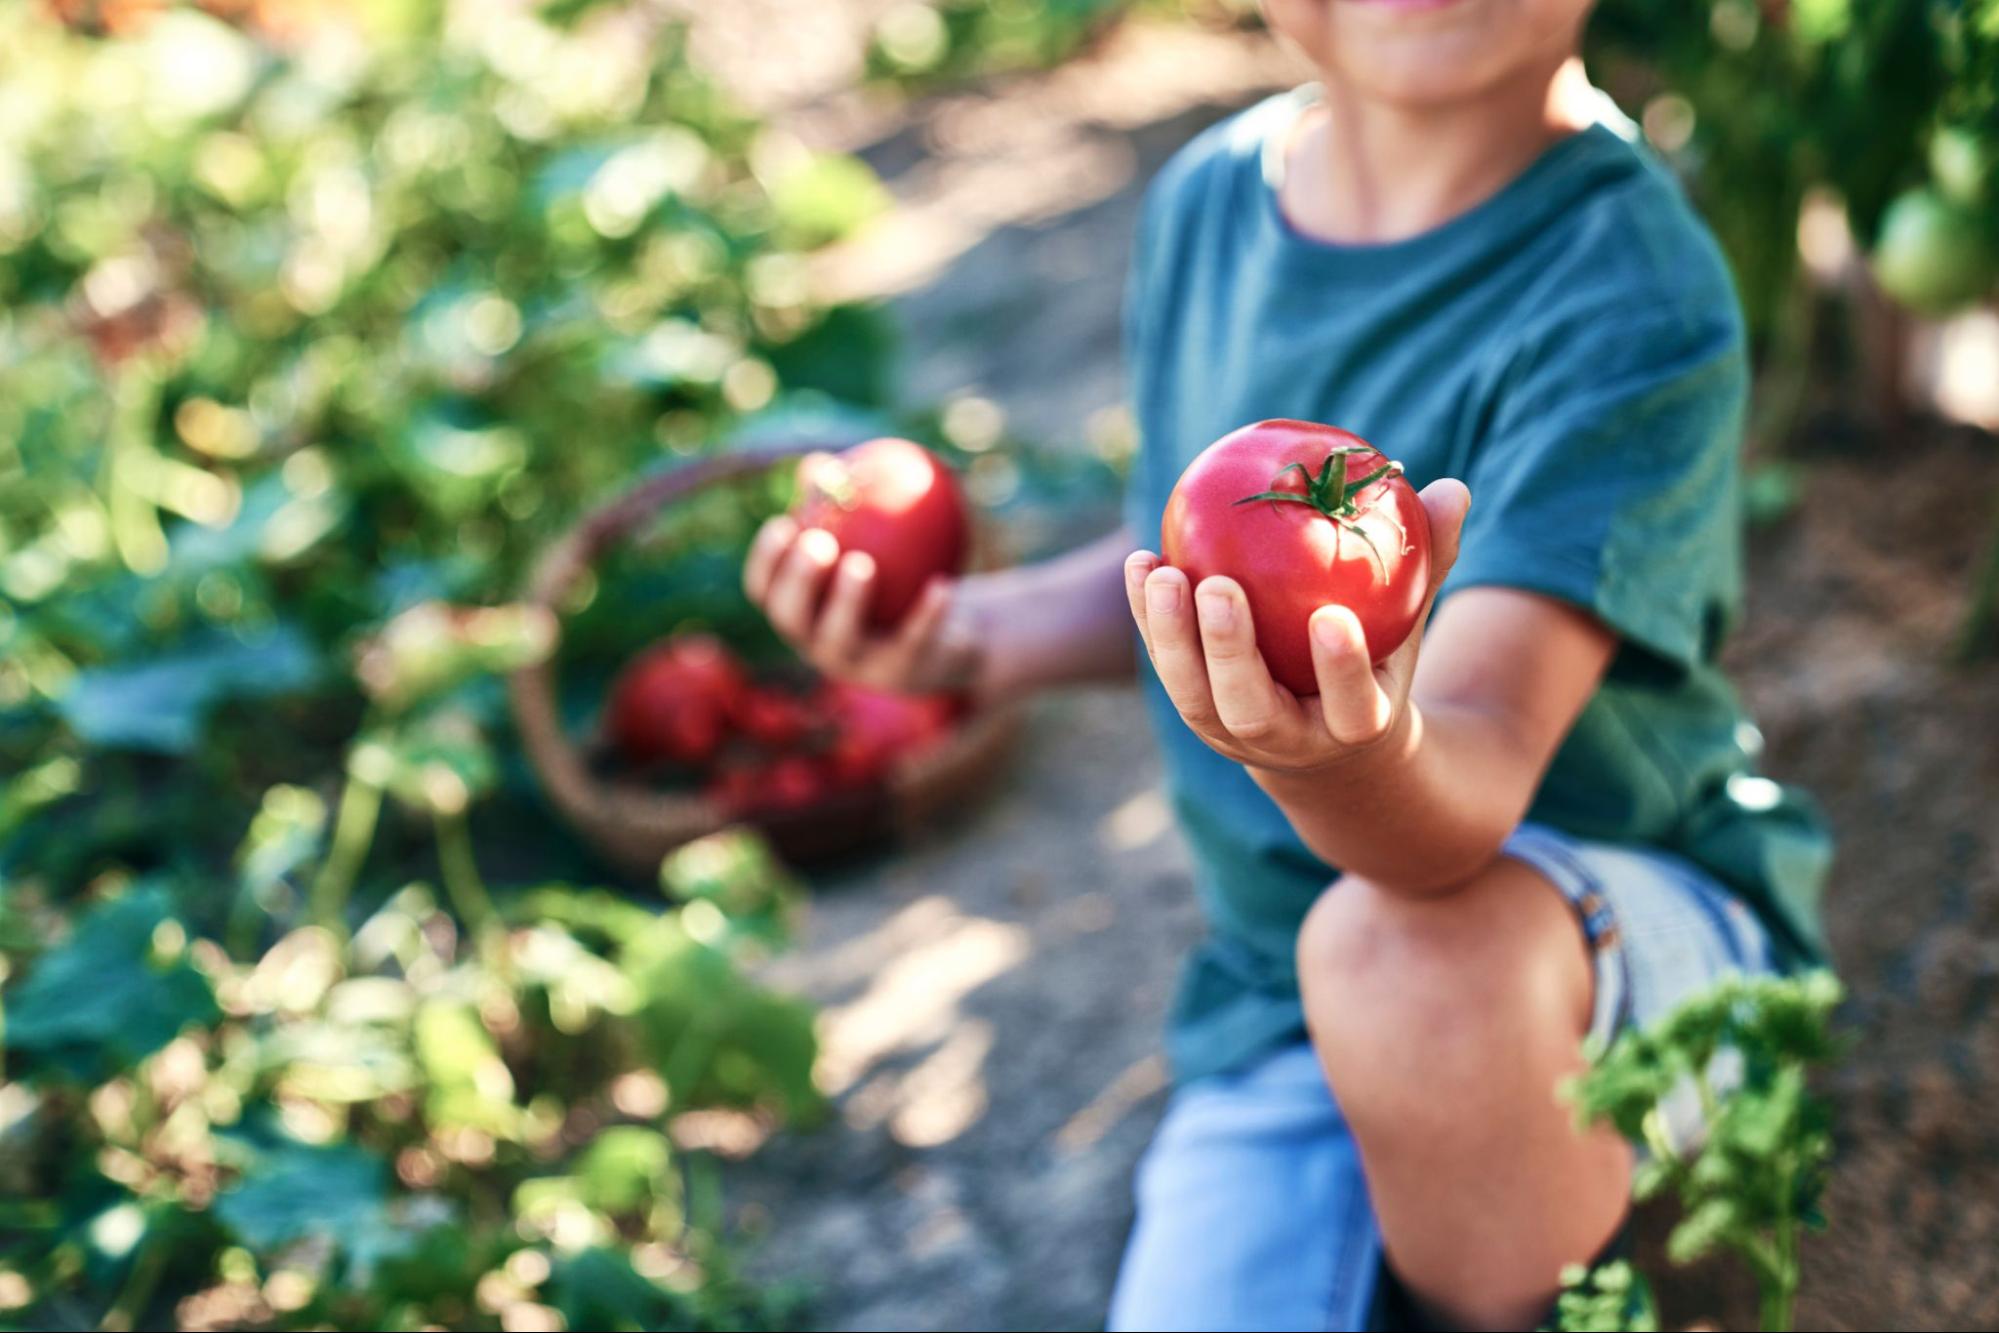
[(1446, 501)]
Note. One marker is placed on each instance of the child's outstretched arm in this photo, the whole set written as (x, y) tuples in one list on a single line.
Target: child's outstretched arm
[(1409, 776), (997, 635)]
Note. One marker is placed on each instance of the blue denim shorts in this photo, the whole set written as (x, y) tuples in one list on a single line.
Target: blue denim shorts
[(1252, 1212)]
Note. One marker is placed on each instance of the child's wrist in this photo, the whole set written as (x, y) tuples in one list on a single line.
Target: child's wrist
[(996, 668)]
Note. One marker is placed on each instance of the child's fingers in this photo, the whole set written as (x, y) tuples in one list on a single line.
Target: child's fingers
[(838, 637), (1246, 699), (793, 598), (1350, 698), (917, 634), (1174, 640), (773, 539), (1446, 501), (1138, 566)]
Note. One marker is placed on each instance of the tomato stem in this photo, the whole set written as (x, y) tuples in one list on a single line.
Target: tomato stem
[(1331, 494)]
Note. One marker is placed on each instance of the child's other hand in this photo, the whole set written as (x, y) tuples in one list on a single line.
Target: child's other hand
[(1203, 645), (816, 598)]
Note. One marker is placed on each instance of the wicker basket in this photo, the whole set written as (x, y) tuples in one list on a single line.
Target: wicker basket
[(634, 825)]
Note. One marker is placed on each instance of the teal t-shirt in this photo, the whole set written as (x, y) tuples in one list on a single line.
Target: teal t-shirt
[(1572, 349)]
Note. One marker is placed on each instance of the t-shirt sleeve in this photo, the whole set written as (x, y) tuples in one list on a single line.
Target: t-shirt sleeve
[(1608, 478)]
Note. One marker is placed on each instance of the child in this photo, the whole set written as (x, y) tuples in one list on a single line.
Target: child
[(1541, 808)]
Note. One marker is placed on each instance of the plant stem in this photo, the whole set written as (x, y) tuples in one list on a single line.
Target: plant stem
[(1780, 1289), (137, 1292), (1980, 634), (353, 835), (459, 869), (1781, 1294), (1786, 368)]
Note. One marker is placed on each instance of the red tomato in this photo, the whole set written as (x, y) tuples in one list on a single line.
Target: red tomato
[(772, 717), (674, 701), (1326, 537), (788, 782), (873, 728), (896, 501)]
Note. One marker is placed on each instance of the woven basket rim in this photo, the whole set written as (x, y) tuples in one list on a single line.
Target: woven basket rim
[(634, 824)]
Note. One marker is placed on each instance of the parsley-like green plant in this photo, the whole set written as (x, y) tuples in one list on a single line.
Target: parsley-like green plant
[(1752, 1181)]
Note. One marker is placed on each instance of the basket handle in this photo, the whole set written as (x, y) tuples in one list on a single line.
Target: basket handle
[(532, 689)]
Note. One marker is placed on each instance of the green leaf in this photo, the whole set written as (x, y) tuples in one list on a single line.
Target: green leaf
[(1703, 1229), (439, 760), (1771, 491), (599, 1288), (714, 1036), (159, 703), (291, 1190), (626, 1169), (825, 197), (104, 999), (848, 356), (433, 647), (734, 874), (470, 1085)]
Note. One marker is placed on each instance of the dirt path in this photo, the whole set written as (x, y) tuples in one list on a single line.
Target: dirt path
[(993, 998)]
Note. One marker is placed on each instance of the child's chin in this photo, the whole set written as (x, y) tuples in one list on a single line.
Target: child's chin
[(1421, 65), (1412, 78)]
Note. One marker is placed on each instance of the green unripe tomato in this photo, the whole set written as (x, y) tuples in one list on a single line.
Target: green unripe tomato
[(1959, 165), (1930, 255)]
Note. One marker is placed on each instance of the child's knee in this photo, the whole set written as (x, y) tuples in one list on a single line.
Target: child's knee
[(1378, 976), (1431, 991)]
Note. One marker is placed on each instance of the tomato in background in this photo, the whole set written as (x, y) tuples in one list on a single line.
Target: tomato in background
[(773, 717), (785, 782), (1303, 515), (898, 502), (674, 701), (1931, 255), (873, 728)]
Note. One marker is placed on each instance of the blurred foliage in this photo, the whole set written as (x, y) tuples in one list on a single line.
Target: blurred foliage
[(412, 1128), (311, 331), (317, 321), (1734, 1058), (1759, 101), (920, 42), (1610, 1298)]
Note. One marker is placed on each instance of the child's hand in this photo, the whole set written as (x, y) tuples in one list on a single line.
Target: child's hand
[(817, 598), (1203, 646)]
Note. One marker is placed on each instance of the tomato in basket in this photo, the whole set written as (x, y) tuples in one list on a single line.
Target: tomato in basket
[(674, 701)]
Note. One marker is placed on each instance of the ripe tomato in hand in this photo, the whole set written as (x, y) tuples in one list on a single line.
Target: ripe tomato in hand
[(1303, 515), (675, 700), (896, 501)]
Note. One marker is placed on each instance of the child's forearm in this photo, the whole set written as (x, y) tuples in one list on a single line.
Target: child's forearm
[(1060, 622), (1423, 810)]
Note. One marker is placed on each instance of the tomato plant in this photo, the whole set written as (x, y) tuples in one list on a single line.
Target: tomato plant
[(899, 503), (1303, 516)]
